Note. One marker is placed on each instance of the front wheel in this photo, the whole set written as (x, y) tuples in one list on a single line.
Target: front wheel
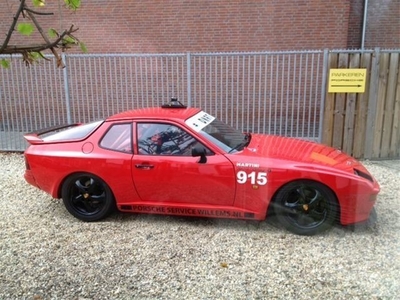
[(87, 197), (305, 207)]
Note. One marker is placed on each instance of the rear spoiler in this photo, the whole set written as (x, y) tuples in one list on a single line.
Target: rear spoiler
[(33, 138)]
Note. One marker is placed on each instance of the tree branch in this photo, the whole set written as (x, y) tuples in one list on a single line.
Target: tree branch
[(15, 49), (12, 27), (37, 12), (29, 52), (46, 39)]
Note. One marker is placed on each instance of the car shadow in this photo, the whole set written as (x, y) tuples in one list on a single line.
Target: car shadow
[(269, 224)]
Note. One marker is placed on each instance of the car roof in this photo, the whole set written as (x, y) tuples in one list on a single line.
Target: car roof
[(156, 113)]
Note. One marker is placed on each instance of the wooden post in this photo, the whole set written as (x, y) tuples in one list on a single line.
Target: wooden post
[(373, 100), (340, 106), (329, 106), (395, 138), (361, 110), (349, 119)]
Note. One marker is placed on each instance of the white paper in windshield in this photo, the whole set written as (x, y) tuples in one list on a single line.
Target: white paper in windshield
[(199, 121)]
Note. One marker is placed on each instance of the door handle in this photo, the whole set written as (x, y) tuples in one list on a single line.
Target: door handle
[(144, 166)]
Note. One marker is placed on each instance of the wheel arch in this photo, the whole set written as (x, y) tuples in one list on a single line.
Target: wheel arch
[(61, 184), (282, 186), (87, 196)]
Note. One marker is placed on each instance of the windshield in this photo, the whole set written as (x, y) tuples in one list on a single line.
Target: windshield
[(224, 136), (74, 133)]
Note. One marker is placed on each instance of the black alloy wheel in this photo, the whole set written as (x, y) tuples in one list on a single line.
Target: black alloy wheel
[(87, 197), (305, 207)]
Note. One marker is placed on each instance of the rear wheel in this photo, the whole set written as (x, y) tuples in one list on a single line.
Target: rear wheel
[(87, 197), (305, 207)]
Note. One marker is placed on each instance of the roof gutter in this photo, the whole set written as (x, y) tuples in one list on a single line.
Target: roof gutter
[(364, 24)]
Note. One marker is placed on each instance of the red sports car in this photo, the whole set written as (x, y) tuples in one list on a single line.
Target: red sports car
[(176, 160)]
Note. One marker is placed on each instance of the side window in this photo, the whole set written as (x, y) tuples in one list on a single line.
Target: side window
[(118, 138), (164, 139)]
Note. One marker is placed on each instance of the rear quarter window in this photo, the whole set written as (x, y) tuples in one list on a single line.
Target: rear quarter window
[(118, 138), (74, 133)]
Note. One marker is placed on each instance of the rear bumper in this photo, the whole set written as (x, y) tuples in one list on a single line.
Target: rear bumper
[(30, 179)]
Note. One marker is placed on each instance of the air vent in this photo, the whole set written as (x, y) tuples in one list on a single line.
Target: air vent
[(363, 175)]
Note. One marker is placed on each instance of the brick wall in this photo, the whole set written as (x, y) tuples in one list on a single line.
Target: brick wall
[(383, 24), (166, 26)]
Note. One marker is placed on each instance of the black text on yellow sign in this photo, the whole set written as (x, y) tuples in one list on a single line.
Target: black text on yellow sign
[(347, 80)]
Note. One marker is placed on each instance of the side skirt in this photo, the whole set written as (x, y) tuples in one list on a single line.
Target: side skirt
[(207, 211)]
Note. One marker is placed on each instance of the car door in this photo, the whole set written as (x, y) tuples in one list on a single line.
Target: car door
[(164, 171)]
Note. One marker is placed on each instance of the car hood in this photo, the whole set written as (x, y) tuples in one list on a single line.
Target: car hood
[(302, 151)]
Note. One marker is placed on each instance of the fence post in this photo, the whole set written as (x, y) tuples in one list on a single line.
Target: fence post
[(189, 79), (323, 94), (372, 102), (66, 88)]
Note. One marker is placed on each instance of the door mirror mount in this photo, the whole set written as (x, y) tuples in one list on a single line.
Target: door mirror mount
[(200, 151)]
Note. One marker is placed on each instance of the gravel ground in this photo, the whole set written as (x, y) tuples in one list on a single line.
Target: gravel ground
[(45, 253)]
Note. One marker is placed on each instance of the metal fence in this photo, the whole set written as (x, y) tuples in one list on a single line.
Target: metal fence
[(270, 92)]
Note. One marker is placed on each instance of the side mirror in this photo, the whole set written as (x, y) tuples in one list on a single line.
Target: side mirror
[(200, 151)]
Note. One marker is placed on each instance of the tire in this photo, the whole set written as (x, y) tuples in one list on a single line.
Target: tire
[(305, 207), (87, 197)]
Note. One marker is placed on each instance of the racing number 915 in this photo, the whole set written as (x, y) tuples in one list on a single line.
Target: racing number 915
[(259, 178)]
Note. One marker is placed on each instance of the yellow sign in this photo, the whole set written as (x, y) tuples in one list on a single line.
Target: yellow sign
[(347, 80)]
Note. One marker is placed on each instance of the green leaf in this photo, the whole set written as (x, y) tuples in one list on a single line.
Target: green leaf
[(53, 33), (5, 63), (73, 4), (35, 55), (38, 3), (25, 28), (83, 47), (69, 40)]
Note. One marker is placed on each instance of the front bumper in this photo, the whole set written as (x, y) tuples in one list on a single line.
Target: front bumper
[(369, 223), (373, 218), (359, 204)]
